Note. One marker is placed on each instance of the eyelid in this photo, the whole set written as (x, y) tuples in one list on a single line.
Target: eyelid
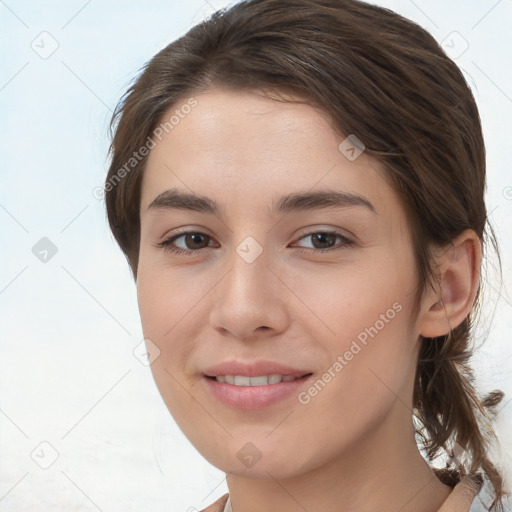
[(311, 230), (186, 230)]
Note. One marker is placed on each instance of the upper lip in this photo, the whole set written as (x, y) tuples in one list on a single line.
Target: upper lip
[(253, 369)]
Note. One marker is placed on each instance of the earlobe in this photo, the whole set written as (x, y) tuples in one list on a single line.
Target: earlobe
[(446, 306)]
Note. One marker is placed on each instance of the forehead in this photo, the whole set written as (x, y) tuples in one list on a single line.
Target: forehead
[(242, 124), (244, 146)]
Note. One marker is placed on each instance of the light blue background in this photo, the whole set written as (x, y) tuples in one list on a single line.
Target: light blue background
[(68, 375)]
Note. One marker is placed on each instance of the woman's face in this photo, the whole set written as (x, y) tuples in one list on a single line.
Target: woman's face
[(255, 286)]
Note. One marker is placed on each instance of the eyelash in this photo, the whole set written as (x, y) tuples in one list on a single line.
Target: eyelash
[(166, 244)]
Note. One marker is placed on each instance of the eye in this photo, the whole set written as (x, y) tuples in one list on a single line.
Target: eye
[(323, 241), (193, 241)]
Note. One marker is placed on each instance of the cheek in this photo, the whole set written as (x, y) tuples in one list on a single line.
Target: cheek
[(165, 310), (168, 297), (173, 306), (363, 323), (370, 363), (346, 301)]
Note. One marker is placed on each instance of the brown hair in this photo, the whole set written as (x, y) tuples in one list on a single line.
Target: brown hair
[(384, 79)]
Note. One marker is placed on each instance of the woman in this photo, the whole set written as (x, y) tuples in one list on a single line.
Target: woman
[(298, 187)]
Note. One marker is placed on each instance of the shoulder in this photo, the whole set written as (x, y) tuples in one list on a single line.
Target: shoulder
[(218, 506), (483, 499), (472, 494)]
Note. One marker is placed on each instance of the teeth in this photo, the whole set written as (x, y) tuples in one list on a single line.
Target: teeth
[(242, 380), (254, 381)]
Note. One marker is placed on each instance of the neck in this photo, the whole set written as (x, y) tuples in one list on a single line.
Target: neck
[(383, 470)]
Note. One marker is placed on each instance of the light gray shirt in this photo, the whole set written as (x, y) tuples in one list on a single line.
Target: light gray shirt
[(481, 502)]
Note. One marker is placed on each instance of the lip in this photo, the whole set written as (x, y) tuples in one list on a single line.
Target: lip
[(254, 369), (253, 397)]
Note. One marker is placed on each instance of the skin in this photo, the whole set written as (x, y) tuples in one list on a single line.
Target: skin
[(352, 447)]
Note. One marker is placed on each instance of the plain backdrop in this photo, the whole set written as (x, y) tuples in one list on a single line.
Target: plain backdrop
[(82, 425)]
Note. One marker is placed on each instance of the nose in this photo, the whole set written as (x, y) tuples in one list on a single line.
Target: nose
[(250, 300)]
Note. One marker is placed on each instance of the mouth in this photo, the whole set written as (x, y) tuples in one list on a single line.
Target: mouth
[(262, 380), (258, 392)]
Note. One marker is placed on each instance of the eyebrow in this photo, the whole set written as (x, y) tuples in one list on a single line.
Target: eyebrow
[(294, 202)]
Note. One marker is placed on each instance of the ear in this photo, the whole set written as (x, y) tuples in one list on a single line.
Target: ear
[(450, 302)]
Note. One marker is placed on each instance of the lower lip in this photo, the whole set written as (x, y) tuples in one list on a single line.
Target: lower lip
[(253, 397)]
